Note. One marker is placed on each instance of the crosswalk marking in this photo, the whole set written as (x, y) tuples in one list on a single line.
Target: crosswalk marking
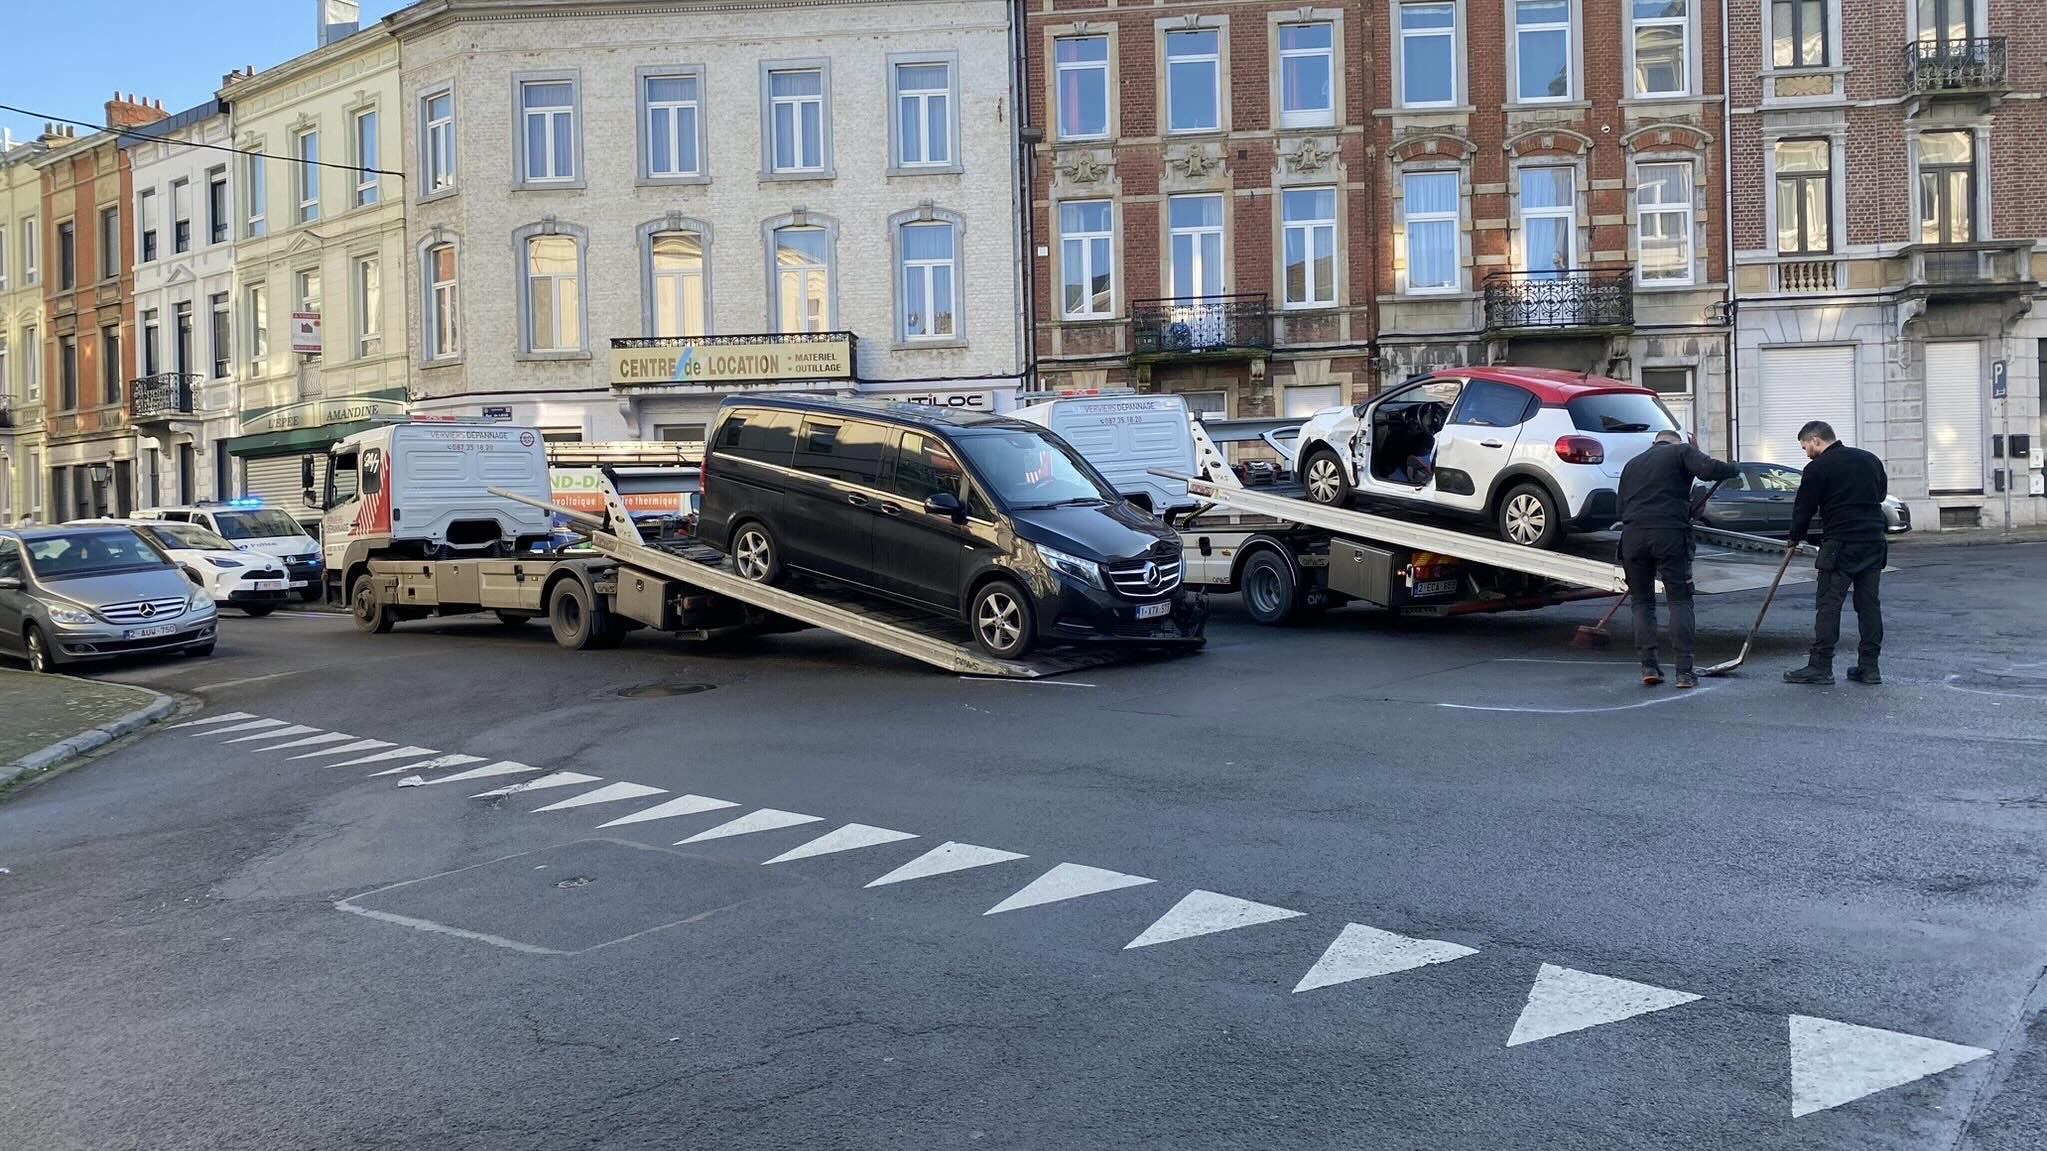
[(1835, 1063), (766, 819), (1361, 952), (851, 837), (280, 733), (435, 764), (501, 767), (1205, 913), (1563, 1000), (680, 805), (358, 745), (385, 756), (249, 725), (558, 779), (1067, 881), (310, 741), (609, 793), (208, 721), (945, 859)]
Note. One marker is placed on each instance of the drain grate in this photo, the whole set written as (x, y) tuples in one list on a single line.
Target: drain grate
[(663, 690)]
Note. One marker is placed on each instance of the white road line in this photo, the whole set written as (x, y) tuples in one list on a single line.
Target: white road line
[(1563, 1000), (1673, 697), (501, 767), (280, 733), (1204, 913), (1067, 881), (208, 721), (766, 819), (1835, 1063), (251, 679), (945, 859), (383, 756), (1032, 682), (558, 779), (680, 805), (851, 837), (1361, 952), (435, 764), (609, 793), (445, 929), (358, 745), (311, 741), (250, 725)]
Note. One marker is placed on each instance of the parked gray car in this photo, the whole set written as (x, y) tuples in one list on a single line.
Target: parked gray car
[(79, 593)]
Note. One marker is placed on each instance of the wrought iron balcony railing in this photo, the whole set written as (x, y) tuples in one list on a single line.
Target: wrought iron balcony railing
[(1579, 298), (1972, 65), (162, 395), (6, 416), (1201, 326)]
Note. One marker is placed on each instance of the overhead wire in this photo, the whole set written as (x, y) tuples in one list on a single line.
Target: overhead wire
[(142, 134)]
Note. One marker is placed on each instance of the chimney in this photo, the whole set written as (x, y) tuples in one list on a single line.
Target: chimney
[(52, 134), (335, 19), (131, 111)]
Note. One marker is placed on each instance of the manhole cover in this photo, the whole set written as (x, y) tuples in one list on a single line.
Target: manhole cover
[(664, 690)]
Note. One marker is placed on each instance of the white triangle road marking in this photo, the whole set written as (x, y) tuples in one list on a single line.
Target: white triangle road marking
[(1361, 952), (280, 733), (766, 819), (435, 764), (558, 779), (609, 793), (382, 756), (311, 741), (1067, 881), (1207, 912), (851, 837), (1563, 1000), (347, 749), (249, 725), (501, 767), (208, 721), (945, 859), (680, 805), (1835, 1063)]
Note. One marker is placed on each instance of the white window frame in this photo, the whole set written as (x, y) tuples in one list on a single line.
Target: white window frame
[(1569, 28), (31, 251), (367, 272), (147, 240), (949, 94), (217, 177), (257, 178), (220, 338), (1319, 295), (441, 321), (522, 243), (1454, 33), (309, 294), (1683, 24), (1324, 116), (776, 271), (1215, 73), (682, 277), (1453, 217), (1687, 210), (1061, 67), (770, 103), (1568, 213), (31, 365), (256, 305), (926, 270), (1087, 240), (306, 174), (437, 161), (556, 119), (3, 269), (367, 191), (1195, 234), (109, 253), (697, 137), (181, 213)]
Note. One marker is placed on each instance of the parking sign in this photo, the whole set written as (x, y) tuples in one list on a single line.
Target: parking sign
[(1998, 373)]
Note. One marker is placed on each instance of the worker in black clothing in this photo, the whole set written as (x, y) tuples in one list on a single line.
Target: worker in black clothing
[(1656, 540), (1845, 488)]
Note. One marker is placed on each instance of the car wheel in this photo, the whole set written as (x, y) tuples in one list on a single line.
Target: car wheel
[(1270, 595), (372, 615), (310, 593), (202, 651), (577, 620), (1528, 515), (755, 556), (1325, 479), (1001, 617), (258, 610), (41, 659)]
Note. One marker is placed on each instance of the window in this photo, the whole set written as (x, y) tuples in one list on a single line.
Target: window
[(1662, 30), (1542, 50), (673, 118), (31, 242), (181, 215), (219, 341), (253, 177), (1193, 81), (1306, 65), (1947, 187), (678, 277), (1548, 211), (923, 114), (181, 334), (308, 176), (3, 259), (679, 433), (1428, 61), (258, 314), (369, 306), (364, 139), (145, 211), (1087, 263), (1430, 210), (802, 280), (110, 243), (1488, 404), (1805, 197), (1663, 217), (1195, 245), (67, 373), (1798, 33), (110, 364), (152, 342), (67, 256), (1310, 246), (547, 108), (1081, 86), (216, 206), (929, 280), (1674, 387), (443, 326), (6, 378), (796, 120), (309, 296), (437, 140), (849, 451), (1947, 20), (925, 468), (553, 295), (31, 366)]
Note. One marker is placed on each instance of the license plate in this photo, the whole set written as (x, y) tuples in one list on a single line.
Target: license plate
[(267, 585), (1154, 610), (299, 583), (151, 632), (1429, 587)]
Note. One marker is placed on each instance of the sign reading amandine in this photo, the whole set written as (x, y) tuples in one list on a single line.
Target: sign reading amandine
[(654, 362)]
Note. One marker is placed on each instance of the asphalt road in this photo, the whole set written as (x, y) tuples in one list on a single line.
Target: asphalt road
[(1618, 917)]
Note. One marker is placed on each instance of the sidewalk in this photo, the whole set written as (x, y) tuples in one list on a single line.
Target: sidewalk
[(46, 719)]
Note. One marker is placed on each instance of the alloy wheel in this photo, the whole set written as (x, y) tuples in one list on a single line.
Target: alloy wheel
[(1322, 481), (1526, 520), (38, 652), (1000, 620), (751, 556)]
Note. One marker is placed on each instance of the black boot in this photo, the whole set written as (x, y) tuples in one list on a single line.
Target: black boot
[(1652, 672), (1822, 676), (1865, 673)]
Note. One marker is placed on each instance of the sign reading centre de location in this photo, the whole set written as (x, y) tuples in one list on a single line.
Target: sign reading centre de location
[(713, 360), (305, 333)]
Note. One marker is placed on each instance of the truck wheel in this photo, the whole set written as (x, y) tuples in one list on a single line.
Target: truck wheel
[(1004, 625), (1270, 594), (372, 615), (1325, 479), (576, 620), (755, 556), (1528, 515)]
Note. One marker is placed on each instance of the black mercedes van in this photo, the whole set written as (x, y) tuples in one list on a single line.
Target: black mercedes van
[(991, 521)]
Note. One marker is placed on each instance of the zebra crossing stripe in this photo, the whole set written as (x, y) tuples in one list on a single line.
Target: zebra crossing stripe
[(280, 733), (558, 779), (347, 749), (251, 725), (311, 741), (224, 717), (383, 756), (434, 764)]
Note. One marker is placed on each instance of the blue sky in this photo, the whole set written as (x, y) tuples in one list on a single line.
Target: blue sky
[(169, 50)]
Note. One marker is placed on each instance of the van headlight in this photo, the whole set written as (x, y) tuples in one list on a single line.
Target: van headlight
[(1086, 571), (70, 616)]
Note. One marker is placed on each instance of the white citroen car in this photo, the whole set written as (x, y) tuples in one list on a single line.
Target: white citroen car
[(256, 583), (1534, 452)]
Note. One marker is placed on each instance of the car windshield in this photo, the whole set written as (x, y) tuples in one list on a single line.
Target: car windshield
[(1619, 412), (256, 524), (1031, 470), (191, 537), (92, 553), (1777, 479)]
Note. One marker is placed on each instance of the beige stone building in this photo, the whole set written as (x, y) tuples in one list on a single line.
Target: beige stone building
[(22, 330)]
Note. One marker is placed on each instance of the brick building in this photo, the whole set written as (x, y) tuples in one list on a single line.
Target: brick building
[(1199, 201), (1888, 224)]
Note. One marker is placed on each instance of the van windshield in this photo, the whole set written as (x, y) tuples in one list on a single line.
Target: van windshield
[(94, 553), (256, 524), (1030, 470)]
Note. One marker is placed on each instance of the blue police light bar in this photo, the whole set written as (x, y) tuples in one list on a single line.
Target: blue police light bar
[(246, 502)]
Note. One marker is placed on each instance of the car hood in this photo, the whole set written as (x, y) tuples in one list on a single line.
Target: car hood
[(1103, 534), (122, 587), (282, 546)]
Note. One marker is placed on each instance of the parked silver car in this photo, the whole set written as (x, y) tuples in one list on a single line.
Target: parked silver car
[(90, 592)]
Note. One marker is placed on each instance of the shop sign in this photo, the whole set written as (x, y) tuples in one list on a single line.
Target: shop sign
[(317, 413), (713, 360), (954, 401)]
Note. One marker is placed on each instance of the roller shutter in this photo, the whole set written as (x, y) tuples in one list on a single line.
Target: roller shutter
[(1798, 385), (1954, 417), (275, 481)]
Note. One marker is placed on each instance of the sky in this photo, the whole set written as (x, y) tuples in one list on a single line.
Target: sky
[(170, 50)]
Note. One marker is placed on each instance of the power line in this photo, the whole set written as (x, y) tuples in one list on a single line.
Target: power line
[(138, 134)]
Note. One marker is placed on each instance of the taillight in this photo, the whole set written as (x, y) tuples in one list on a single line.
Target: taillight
[(1580, 450)]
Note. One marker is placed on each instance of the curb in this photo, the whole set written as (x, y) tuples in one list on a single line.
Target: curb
[(106, 733)]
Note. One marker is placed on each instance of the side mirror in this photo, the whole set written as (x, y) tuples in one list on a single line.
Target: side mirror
[(11, 583), (948, 505), (306, 472), (312, 498), (197, 579)]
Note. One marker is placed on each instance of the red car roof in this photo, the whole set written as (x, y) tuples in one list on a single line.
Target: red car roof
[(1550, 385)]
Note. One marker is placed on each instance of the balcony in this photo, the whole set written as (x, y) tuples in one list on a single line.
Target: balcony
[(161, 399), (1933, 67), (1201, 327), (1985, 270), (1582, 301)]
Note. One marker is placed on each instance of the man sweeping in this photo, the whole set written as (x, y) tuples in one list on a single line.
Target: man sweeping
[(1845, 487), (1656, 542)]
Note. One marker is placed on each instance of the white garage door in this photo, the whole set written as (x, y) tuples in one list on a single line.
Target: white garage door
[(1954, 417), (275, 481), (1799, 385)]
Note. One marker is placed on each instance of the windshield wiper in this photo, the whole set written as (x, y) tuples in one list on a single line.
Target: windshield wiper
[(1074, 502), (1614, 427)]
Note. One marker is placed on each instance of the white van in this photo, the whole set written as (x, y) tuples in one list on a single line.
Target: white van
[(1125, 437), (255, 528)]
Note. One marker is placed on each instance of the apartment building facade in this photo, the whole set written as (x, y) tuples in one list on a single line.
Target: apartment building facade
[(1888, 235), (21, 329), (624, 215), (1199, 193)]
